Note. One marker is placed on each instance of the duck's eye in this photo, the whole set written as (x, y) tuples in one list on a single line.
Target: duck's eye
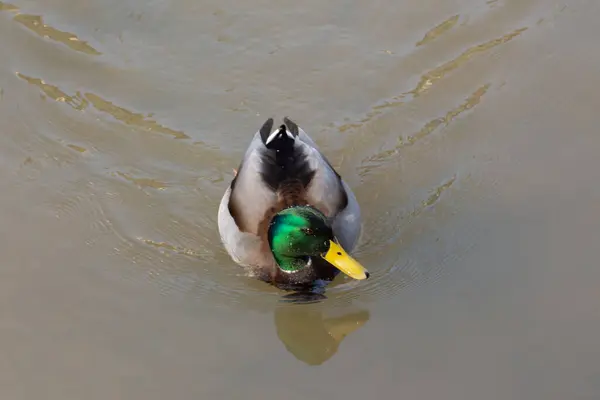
[(307, 231)]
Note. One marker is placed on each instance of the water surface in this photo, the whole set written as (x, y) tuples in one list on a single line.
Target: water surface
[(466, 128)]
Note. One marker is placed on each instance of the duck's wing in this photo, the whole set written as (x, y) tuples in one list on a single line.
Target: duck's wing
[(347, 224)]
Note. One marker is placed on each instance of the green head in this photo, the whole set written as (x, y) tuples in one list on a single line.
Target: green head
[(298, 233)]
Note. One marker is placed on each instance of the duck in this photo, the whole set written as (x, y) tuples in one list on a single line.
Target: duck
[(287, 215)]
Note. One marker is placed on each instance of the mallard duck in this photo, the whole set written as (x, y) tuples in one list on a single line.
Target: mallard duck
[(287, 215)]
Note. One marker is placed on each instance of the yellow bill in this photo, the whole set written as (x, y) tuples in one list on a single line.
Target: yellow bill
[(338, 257)]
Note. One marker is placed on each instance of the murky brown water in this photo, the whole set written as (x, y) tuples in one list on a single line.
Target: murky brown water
[(466, 128)]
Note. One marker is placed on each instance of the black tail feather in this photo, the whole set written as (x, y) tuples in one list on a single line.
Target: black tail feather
[(265, 130), (291, 125)]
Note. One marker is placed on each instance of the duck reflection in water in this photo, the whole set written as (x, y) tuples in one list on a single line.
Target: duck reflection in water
[(310, 334)]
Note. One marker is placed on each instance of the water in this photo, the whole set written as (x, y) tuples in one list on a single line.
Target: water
[(466, 128)]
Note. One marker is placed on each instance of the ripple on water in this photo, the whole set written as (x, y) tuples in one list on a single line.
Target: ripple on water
[(35, 23), (132, 118), (431, 77), (180, 256), (434, 75), (80, 102), (8, 7), (373, 162), (390, 276), (77, 101), (438, 30), (203, 274)]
